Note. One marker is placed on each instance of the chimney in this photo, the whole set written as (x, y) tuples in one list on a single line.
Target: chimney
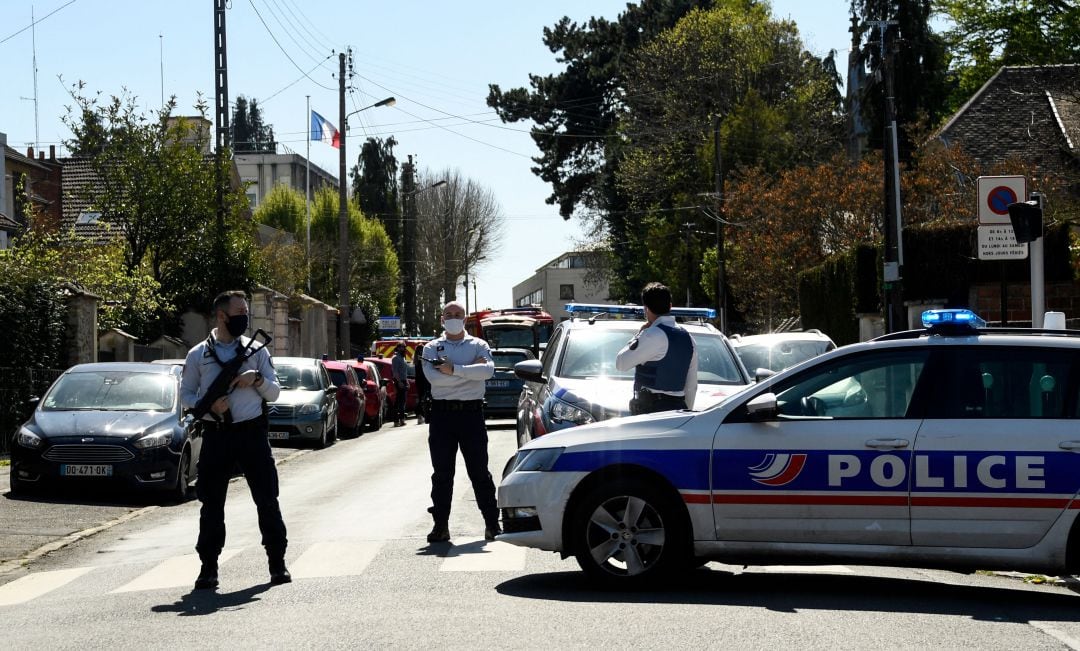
[(41, 155), (30, 153), (52, 152)]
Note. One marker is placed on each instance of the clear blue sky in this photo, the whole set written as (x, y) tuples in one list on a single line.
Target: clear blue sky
[(437, 58)]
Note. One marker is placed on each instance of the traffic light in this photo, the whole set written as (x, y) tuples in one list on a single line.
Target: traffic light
[(1027, 220)]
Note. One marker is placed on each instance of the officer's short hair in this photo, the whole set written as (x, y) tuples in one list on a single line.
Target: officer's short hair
[(656, 297), (224, 298)]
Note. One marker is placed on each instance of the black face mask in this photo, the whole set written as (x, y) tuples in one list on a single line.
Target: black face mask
[(237, 324)]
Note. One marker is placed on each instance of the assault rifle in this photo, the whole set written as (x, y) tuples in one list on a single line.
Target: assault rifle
[(229, 370)]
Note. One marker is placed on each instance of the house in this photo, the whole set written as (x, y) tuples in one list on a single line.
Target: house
[(573, 277), (261, 172), (27, 182)]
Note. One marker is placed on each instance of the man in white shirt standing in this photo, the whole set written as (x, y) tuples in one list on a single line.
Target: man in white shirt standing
[(458, 365), (663, 357)]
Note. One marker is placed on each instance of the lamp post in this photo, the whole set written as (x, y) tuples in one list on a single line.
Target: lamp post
[(345, 311)]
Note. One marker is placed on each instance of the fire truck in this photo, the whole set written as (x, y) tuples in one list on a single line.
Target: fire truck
[(385, 347), (514, 327)]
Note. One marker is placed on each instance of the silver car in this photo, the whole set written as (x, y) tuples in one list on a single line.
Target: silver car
[(306, 411)]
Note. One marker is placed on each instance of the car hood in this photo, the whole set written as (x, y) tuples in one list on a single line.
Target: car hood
[(118, 424), (645, 426), (297, 397), (605, 398)]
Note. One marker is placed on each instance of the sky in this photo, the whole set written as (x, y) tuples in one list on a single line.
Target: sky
[(435, 58)]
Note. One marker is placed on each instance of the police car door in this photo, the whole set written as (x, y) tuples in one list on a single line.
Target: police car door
[(831, 466), (996, 462)]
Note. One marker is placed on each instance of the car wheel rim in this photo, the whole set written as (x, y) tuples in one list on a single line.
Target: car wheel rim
[(625, 536)]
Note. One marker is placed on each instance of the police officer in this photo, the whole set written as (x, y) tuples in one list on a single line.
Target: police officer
[(423, 387), (234, 434), (663, 357), (401, 383), (457, 366)]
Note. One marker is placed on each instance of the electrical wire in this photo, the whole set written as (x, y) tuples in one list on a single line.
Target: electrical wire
[(271, 33), (11, 36)]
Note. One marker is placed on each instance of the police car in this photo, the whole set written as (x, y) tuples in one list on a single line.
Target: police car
[(954, 446), (576, 382)]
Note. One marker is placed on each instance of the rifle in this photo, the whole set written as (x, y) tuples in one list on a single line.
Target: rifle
[(229, 370)]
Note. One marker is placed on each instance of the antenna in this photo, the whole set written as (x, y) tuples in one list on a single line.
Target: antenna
[(161, 59), (33, 42)]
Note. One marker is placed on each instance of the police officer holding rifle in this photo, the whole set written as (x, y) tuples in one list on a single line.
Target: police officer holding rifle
[(233, 418)]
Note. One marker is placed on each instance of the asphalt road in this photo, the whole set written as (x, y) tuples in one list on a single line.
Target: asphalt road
[(366, 578)]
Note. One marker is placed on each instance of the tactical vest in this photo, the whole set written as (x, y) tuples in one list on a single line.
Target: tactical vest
[(669, 373)]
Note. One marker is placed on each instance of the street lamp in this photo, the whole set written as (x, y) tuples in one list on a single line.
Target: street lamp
[(345, 310)]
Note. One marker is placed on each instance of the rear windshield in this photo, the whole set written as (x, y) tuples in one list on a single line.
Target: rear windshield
[(780, 355), (507, 359), (112, 391)]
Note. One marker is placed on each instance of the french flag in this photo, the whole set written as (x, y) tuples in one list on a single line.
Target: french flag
[(321, 129)]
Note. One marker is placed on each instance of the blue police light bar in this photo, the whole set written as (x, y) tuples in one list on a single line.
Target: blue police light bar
[(953, 317), (637, 310)]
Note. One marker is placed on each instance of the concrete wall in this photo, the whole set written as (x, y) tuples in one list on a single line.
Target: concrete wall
[(82, 328)]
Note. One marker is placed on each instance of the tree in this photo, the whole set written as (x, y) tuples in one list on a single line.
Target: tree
[(249, 134), (918, 68), (375, 186), (992, 33), (283, 208)]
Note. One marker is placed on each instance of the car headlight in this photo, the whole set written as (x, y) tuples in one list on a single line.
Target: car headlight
[(154, 440), (309, 409), (536, 460), (561, 411), (28, 439)]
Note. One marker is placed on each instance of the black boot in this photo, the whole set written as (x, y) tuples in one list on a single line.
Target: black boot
[(278, 573), (207, 579), (440, 533)]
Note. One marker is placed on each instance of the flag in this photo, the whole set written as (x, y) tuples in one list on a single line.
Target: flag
[(321, 129)]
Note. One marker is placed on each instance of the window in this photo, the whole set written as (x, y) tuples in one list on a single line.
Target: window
[(536, 298), (88, 217), (566, 292)]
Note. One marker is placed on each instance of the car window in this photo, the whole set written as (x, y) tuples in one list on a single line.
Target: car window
[(504, 360), (781, 354), (590, 352), (112, 390), (716, 363), (337, 376), (551, 352), (1005, 382), (509, 337), (292, 378), (874, 385)]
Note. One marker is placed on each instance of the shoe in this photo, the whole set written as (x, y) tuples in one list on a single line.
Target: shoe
[(278, 573), (439, 533), (491, 531), (207, 579)]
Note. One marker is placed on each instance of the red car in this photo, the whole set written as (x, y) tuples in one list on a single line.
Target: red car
[(350, 396), (374, 393), (386, 370)]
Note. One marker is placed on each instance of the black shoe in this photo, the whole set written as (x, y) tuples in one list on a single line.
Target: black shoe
[(491, 531), (439, 533), (278, 573), (207, 579)]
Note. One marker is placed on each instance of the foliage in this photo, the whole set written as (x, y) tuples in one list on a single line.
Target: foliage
[(375, 186), (918, 67), (249, 133), (283, 208), (364, 334), (989, 34)]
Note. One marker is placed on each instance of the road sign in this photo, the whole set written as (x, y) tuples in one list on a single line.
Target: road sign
[(999, 243), (996, 193)]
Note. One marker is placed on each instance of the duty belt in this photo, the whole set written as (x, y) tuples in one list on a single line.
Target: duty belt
[(457, 405)]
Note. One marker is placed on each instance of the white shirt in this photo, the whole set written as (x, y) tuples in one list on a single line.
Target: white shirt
[(652, 345), (200, 370), (468, 380)]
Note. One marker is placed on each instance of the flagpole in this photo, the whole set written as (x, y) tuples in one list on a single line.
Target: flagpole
[(307, 187)]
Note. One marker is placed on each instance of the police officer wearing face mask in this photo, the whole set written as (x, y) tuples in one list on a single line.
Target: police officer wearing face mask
[(663, 357), (234, 434), (457, 366)]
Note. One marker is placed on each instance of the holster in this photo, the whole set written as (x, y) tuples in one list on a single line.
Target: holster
[(641, 403)]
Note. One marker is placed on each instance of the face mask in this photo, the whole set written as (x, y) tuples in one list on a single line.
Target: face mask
[(454, 326), (237, 325)]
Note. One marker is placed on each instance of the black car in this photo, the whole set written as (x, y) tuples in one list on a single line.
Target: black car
[(504, 387), (109, 422)]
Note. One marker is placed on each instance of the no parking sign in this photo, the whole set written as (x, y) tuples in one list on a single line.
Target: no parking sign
[(995, 195)]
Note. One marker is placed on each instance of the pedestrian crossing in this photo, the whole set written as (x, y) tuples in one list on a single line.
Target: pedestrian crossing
[(318, 560)]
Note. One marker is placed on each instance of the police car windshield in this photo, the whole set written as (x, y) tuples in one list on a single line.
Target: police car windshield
[(112, 391)]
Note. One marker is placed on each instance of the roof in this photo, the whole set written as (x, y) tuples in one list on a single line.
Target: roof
[(9, 224), (12, 154)]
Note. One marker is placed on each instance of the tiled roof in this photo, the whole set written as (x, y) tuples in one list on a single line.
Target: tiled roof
[(77, 174), (8, 224)]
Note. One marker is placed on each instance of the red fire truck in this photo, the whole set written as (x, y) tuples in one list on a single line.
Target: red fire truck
[(514, 327)]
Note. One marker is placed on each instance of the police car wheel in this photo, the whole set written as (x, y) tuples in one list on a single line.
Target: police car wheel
[(627, 533)]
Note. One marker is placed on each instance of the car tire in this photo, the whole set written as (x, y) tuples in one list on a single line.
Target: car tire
[(629, 534), (377, 425), (324, 438), (17, 486), (179, 491)]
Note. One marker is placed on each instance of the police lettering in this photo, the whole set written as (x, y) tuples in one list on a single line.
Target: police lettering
[(991, 471)]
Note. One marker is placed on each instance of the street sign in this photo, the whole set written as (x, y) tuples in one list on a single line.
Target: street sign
[(999, 243), (995, 193)]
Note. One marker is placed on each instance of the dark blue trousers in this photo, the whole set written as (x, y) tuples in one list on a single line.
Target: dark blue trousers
[(225, 448), (448, 431)]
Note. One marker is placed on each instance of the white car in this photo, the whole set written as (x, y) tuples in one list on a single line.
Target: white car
[(955, 446), (765, 354)]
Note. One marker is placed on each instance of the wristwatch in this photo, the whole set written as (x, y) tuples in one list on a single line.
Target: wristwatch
[(258, 379)]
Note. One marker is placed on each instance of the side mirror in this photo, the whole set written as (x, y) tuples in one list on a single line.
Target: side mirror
[(763, 373), (762, 407), (530, 370), (383, 381)]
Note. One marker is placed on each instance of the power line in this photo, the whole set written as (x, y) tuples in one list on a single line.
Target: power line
[(35, 22), (271, 33)]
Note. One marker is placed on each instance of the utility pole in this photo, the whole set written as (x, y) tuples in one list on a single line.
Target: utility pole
[(721, 298), (894, 251), (221, 103), (408, 245), (344, 313)]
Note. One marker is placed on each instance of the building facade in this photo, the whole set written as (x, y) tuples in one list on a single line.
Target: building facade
[(261, 172), (572, 277)]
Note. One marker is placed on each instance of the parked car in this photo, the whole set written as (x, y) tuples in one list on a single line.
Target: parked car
[(386, 371), (577, 382), (307, 408), (953, 446), (350, 396), (109, 422), (503, 389), (766, 354), (374, 386)]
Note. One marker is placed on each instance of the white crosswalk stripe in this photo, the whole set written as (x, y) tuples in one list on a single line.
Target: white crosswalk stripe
[(478, 555), (34, 585), (335, 559), (172, 573)]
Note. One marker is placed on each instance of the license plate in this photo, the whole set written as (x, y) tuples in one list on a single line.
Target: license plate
[(278, 435), (498, 384), (85, 470)]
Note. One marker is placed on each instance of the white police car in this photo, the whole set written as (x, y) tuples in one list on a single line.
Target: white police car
[(955, 446)]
